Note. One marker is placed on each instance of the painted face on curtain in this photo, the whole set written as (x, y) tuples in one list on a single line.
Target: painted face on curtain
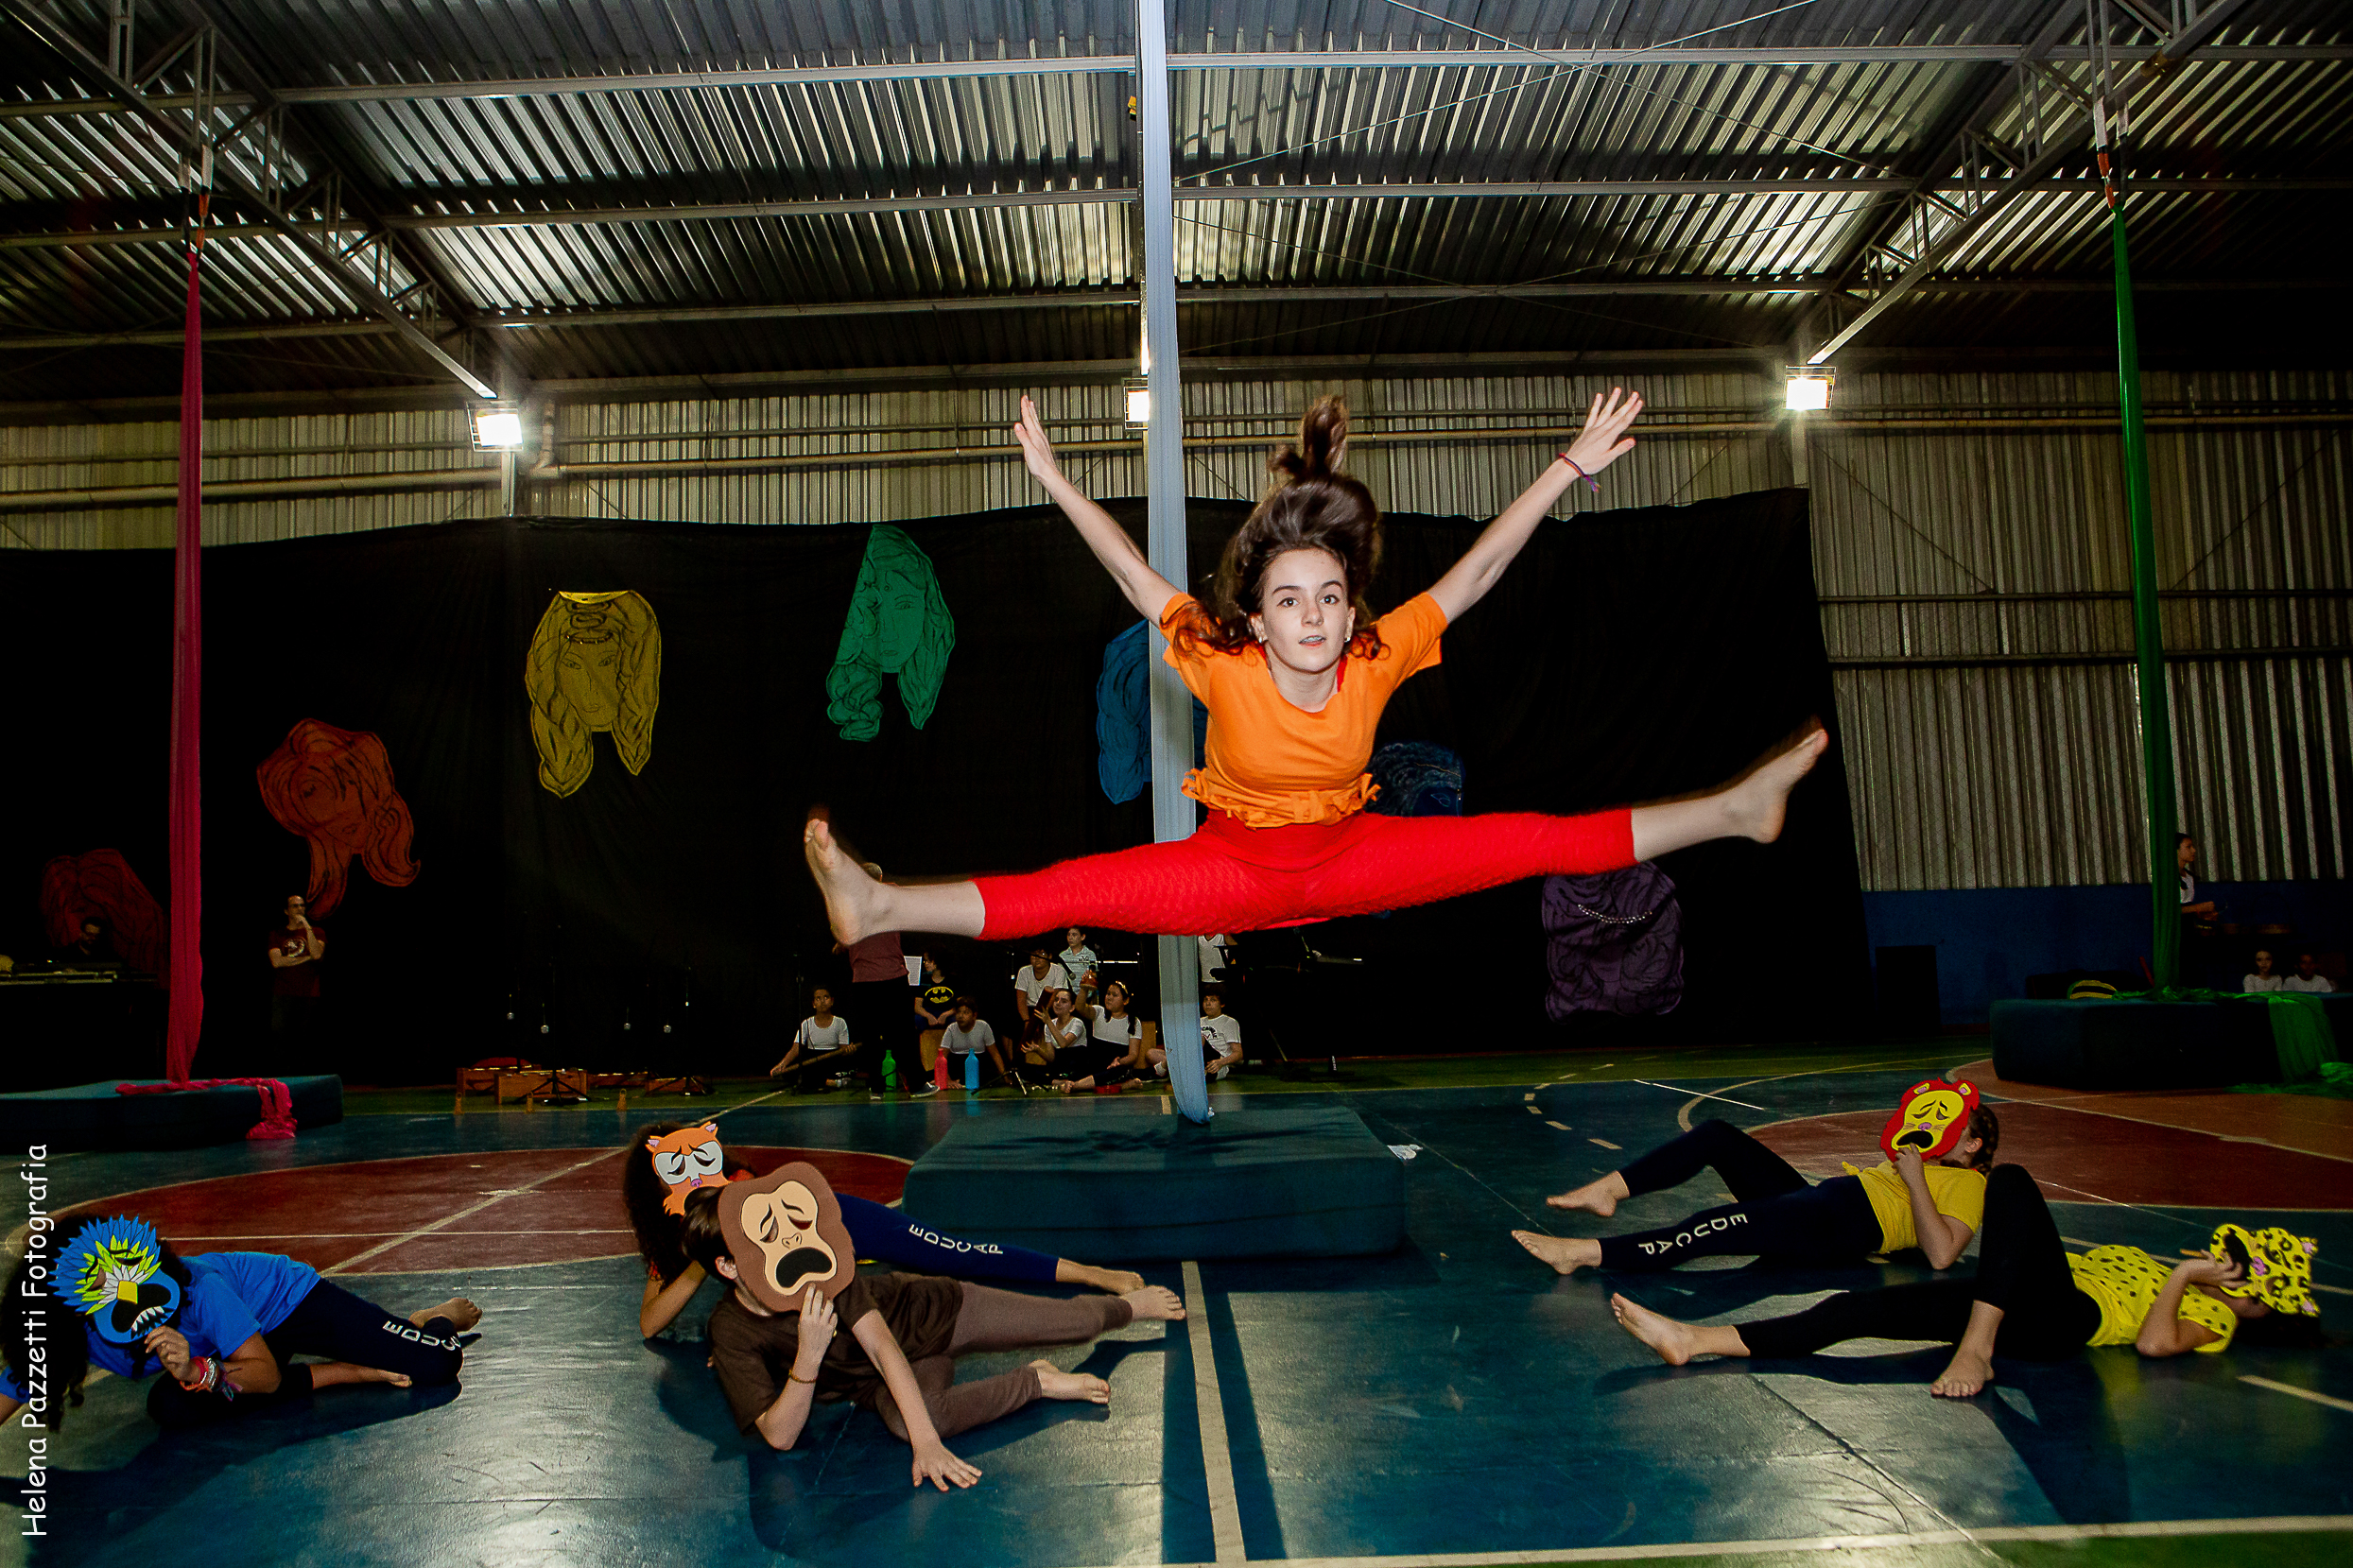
[(588, 673)]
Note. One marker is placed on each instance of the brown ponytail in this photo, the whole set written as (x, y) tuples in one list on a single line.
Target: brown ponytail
[(1309, 505)]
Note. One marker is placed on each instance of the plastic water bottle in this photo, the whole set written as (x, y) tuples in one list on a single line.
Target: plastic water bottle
[(890, 1073), (972, 1073)]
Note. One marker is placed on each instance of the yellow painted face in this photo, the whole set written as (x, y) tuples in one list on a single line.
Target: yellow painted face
[(1931, 1118)]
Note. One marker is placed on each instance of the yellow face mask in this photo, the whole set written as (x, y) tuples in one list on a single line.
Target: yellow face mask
[(1931, 1118), (2277, 1264)]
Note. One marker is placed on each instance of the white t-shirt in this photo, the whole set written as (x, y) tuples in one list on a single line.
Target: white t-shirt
[(1064, 1033), (2263, 982), (959, 1042), (1212, 956), (2317, 983), (1221, 1034), (1031, 985), (816, 1037), (1114, 1031)]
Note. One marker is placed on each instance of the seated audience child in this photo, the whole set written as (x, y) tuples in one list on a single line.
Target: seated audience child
[(969, 1035), (1114, 1052), (822, 1047), (1220, 1040), (1063, 1031), (2263, 977), (886, 1342), (2307, 977), (1031, 984), (1077, 957), (223, 1327)]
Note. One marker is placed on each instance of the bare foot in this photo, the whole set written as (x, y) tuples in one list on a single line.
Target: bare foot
[(1756, 803), (1673, 1341), (1968, 1376), (1565, 1254), (1111, 1281), (1053, 1383), (329, 1374), (852, 899), (1594, 1198), (1153, 1302), (461, 1313)]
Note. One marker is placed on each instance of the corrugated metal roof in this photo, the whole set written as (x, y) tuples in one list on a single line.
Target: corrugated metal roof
[(1537, 111)]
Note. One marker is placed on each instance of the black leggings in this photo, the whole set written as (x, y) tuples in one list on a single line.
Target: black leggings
[(333, 1322), (2021, 1268), (1775, 1212)]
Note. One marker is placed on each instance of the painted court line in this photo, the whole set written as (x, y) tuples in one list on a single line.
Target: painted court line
[(447, 1220), (1562, 1125), (2330, 1399), (2144, 1530), (1699, 1093), (1605, 1143), (1217, 1459)]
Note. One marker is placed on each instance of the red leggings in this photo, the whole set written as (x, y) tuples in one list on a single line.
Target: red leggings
[(1230, 878)]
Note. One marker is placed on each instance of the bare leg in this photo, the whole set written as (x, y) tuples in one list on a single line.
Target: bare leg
[(1111, 1281), (1749, 807), (1565, 1254), (1053, 1383), (1674, 1342), (1594, 1198), (326, 1374), (1972, 1366), (857, 905)]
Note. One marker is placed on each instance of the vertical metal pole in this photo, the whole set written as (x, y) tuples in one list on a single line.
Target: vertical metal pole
[(1164, 470), (2156, 727)]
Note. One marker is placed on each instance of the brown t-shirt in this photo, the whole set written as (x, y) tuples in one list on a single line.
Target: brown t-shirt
[(296, 979), (754, 1354)]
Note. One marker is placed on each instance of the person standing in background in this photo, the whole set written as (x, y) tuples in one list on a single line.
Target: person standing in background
[(878, 996), (296, 949), (1077, 957)]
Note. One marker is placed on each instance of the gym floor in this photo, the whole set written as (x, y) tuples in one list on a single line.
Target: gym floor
[(1454, 1400)]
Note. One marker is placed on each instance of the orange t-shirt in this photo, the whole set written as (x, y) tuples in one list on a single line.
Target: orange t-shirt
[(1269, 765)]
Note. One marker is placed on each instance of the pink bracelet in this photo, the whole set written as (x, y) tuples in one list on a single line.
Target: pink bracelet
[(1591, 483)]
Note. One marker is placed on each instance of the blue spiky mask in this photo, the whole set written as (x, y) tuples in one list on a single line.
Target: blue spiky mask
[(113, 1271)]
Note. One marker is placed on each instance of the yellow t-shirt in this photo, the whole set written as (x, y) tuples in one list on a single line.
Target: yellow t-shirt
[(2124, 1280), (1956, 1192)]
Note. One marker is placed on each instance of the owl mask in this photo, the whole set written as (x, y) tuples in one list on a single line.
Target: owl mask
[(686, 1160)]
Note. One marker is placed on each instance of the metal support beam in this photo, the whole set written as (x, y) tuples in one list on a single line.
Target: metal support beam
[(1287, 60), (1173, 816), (2052, 143), (191, 141)]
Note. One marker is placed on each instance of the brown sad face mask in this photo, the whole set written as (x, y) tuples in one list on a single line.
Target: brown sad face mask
[(786, 1233)]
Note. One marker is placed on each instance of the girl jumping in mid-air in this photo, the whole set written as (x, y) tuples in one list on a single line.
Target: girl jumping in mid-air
[(1294, 673)]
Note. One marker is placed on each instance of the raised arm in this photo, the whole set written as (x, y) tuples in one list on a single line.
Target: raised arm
[(1145, 588), (1601, 442), (2164, 1332)]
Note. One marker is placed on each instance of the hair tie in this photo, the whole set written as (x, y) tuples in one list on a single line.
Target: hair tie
[(1591, 483)]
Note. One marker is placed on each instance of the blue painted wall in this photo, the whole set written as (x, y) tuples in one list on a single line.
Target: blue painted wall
[(1989, 939)]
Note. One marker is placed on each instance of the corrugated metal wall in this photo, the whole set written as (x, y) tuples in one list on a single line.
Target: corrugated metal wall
[(1969, 547)]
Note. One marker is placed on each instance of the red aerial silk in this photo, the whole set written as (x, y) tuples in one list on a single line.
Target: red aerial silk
[(187, 690)]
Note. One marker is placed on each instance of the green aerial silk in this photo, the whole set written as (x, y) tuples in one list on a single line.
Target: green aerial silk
[(2156, 731), (2301, 1035), (898, 625)]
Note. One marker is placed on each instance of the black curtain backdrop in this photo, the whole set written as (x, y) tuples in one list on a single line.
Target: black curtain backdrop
[(663, 918)]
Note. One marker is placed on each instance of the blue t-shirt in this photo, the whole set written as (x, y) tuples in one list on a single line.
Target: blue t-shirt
[(230, 1297)]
